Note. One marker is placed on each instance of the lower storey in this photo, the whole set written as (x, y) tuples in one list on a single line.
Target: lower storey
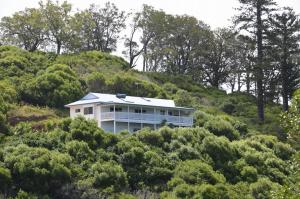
[(111, 126)]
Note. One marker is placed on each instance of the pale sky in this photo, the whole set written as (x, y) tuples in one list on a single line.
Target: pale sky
[(216, 13)]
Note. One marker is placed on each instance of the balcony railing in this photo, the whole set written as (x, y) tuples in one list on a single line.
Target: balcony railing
[(146, 118)]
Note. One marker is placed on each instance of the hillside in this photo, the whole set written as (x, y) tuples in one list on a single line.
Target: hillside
[(44, 154)]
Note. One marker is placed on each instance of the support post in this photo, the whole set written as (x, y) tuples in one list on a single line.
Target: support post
[(141, 117), (155, 119), (179, 118), (128, 118), (114, 118)]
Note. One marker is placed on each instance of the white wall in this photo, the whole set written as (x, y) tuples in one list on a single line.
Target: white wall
[(95, 114)]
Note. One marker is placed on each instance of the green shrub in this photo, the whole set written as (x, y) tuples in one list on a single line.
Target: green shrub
[(200, 118), (96, 82), (222, 128), (184, 191), (24, 195), (197, 172), (241, 127), (109, 175), (249, 174), (87, 131), (262, 188), (183, 98), (37, 170), (55, 87), (80, 151), (228, 107), (5, 179), (4, 127), (150, 137), (283, 151)]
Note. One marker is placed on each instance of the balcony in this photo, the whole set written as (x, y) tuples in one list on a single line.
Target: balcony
[(146, 118)]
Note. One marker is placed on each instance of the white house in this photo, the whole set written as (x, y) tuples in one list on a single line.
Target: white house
[(115, 113)]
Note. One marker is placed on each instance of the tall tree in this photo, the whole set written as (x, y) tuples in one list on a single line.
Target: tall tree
[(108, 21), (132, 46), (218, 58), (284, 38), (57, 18), (253, 17), (82, 28), (24, 29)]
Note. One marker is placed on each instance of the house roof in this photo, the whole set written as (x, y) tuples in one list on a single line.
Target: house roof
[(101, 98)]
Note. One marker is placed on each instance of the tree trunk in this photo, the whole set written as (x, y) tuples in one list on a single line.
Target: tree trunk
[(58, 47), (248, 82), (259, 70), (285, 93)]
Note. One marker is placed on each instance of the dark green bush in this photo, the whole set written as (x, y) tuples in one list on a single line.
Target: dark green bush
[(221, 127), (55, 87), (37, 170), (5, 179), (96, 82), (149, 137), (228, 107), (87, 131), (249, 174), (197, 172), (109, 175)]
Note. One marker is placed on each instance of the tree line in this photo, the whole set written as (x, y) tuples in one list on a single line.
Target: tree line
[(259, 53)]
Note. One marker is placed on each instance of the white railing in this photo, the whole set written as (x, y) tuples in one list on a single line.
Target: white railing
[(146, 117)]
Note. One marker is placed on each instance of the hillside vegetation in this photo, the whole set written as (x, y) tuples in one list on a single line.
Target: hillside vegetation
[(45, 154)]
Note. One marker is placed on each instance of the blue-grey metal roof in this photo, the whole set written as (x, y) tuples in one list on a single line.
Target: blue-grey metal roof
[(101, 98)]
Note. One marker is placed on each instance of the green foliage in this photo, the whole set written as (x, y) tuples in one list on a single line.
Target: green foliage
[(130, 85), (24, 195), (108, 175), (55, 87), (291, 120), (228, 107), (197, 172), (37, 169), (80, 151), (183, 98), (262, 188), (5, 179), (249, 174), (221, 127), (149, 137), (96, 82), (88, 131)]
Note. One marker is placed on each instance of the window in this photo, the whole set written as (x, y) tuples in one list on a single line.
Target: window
[(170, 113), (88, 110), (162, 112), (77, 110), (139, 111), (118, 109)]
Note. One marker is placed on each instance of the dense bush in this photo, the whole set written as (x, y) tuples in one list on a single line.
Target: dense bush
[(55, 87), (197, 172), (88, 131), (221, 127), (37, 169), (109, 175)]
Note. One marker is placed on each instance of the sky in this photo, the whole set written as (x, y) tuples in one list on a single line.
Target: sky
[(216, 13)]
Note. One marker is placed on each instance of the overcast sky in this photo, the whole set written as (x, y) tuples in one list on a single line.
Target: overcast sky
[(216, 13)]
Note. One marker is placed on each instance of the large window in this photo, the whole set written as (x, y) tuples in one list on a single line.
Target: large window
[(88, 110), (139, 111), (118, 109)]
